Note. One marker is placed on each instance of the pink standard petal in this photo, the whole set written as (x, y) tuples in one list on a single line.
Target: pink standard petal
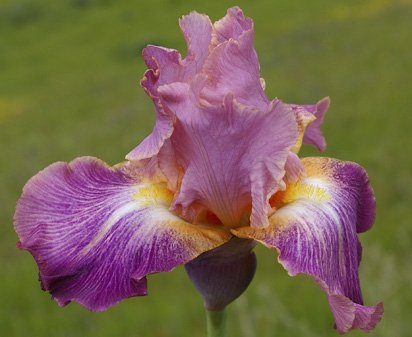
[(231, 26), (96, 232), (233, 67), (166, 66), (233, 155), (312, 133), (229, 64), (197, 30), (314, 231), (163, 129), (294, 168)]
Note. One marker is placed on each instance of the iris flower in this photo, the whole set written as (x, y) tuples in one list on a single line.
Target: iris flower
[(218, 174)]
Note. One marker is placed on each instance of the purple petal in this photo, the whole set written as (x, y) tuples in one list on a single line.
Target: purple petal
[(233, 155), (314, 231), (97, 231)]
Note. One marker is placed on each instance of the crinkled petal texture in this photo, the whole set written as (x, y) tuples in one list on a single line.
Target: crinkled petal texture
[(166, 66), (227, 145), (223, 53), (97, 231), (315, 232), (233, 155), (233, 65)]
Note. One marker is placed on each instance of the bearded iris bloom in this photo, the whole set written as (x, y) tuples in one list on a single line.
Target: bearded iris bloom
[(218, 174)]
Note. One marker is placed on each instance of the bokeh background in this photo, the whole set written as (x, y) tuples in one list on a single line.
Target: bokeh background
[(69, 86)]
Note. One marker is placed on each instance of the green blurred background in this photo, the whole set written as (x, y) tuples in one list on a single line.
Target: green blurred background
[(69, 86)]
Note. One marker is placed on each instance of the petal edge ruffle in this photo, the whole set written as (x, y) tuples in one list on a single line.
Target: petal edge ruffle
[(315, 230), (97, 231)]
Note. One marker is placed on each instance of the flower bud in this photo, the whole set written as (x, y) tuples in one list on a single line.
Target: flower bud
[(224, 273)]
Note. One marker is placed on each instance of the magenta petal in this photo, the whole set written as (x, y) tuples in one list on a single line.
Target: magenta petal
[(315, 231), (233, 155), (96, 232)]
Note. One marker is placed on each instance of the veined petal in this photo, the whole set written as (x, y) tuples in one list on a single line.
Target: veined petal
[(228, 64), (97, 231), (231, 26), (294, 168), (233, 155), (233, 66), (166, 66), (314, 230)]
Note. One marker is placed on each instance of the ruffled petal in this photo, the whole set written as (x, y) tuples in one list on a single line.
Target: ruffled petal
[(97, 231), (166, 66), (169, 61), (233, 155), (314, 230), (310, 118), (231, 26), (197, 30), (233, 66), (222, 54)]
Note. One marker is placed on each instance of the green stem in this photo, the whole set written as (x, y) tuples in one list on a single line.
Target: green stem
[(216, 323)]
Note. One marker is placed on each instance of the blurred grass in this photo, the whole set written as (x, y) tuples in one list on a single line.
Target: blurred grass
[(69, 86)]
